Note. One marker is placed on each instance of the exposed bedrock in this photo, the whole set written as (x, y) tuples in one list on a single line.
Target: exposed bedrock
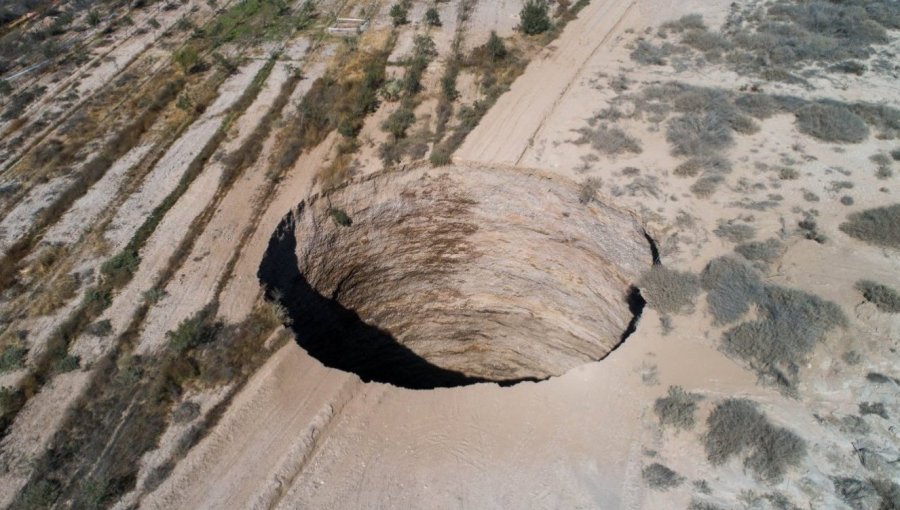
[(449, 276)]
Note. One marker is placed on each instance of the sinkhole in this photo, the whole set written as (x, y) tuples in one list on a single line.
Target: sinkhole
[(427, 278)]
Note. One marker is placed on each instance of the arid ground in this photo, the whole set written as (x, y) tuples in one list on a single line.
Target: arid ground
[(636, 254)]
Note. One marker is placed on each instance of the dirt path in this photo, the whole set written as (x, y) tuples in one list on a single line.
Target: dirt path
[(507, 130)]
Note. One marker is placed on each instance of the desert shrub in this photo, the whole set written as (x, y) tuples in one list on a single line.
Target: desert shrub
[(697, 504), (789, 325), (609, 140), (695, 134), (761, 106), (889, 492), (188, 60), (17, 104), (100, 328), (879, 226), (732, 286), (495, 48), (706, 185), (669, 291), (884, 172), (876, 408), (885, 298), (895, 154), (686, 22), (767, 251), (849, 67), (399, 121), (193, 332), (12, 357), (710, 165), (735, 232), (858, 494), (441, 155), (737, 428), (399, 14), (788, 174), (186, 412), (879, 115), (831, 123), (534, 17), (432, 18), (709, 43), (660, 477), (648, 54), (677, 408)]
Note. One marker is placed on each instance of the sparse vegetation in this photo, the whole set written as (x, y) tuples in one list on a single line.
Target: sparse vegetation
[(876, 408), (879, 226), (608, 140), (669, 291), (660, 477), (737, 428), (677, 409), (885, 298)]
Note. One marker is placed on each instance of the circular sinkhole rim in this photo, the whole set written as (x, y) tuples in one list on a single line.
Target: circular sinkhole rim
[(286, 229)]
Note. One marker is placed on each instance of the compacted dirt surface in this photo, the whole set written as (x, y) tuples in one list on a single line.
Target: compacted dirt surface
[(646, 258)]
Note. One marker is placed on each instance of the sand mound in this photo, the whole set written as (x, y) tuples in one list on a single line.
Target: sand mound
[(449, 276)]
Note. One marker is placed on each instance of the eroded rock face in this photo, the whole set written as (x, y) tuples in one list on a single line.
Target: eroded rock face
[(456, 275)]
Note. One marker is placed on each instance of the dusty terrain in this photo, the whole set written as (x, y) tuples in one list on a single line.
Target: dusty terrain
[(648, 258)]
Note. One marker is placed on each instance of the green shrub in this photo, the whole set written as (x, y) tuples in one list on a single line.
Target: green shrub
[(193, 332), (399, 121), (669, 291), (660, 477), (495, 48), (432, 18), (677, 409), (885, 298), (876, 408), (732, 286), (738, 429), (534, 17), (879, 226), (398, 14), (12, 357), (187, 59), (831, 123)]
